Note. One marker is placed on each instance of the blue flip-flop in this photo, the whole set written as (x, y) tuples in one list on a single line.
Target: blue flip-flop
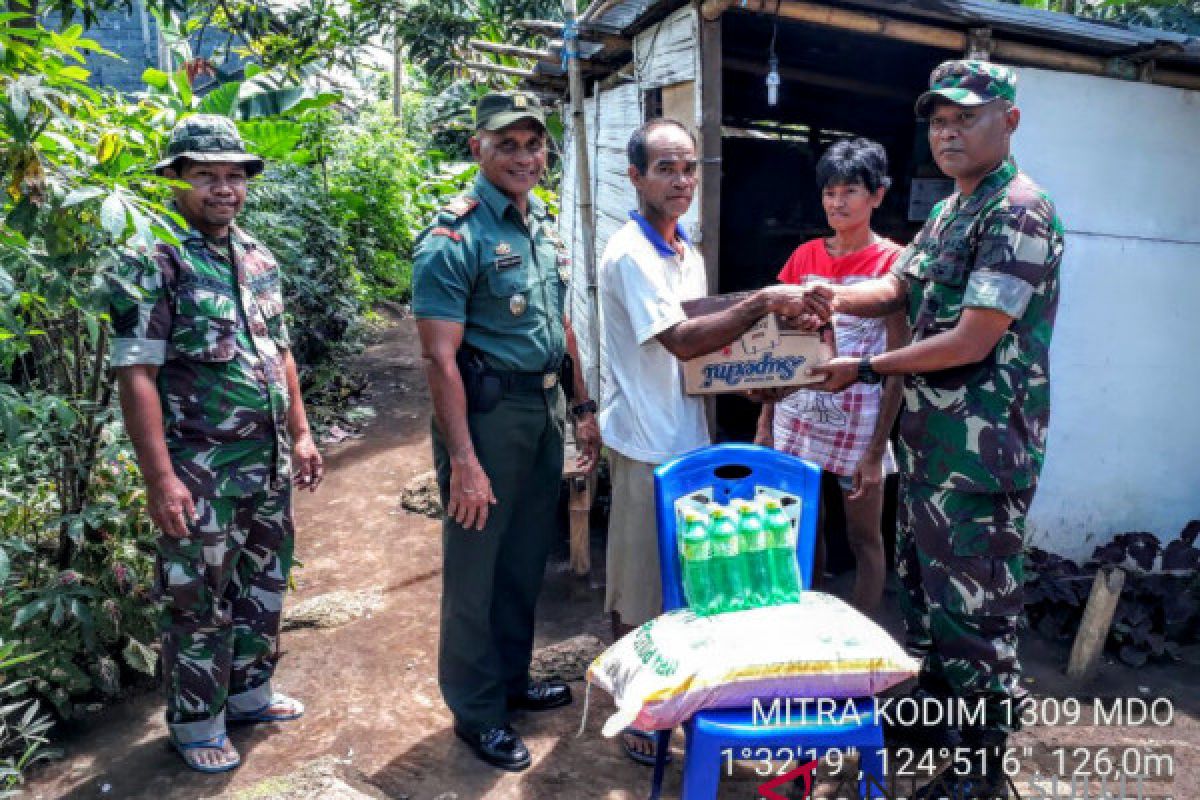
[(262, 715), (217, 742)]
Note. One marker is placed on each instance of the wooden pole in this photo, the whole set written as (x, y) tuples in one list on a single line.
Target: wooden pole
[(711, 65), (1097, 618), (510, 50), (933, 36), (500, 69), (583, 181), (611, 42), (397, 77), (712, 60)]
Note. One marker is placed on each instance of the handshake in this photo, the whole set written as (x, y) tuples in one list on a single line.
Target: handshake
[(805, 308)]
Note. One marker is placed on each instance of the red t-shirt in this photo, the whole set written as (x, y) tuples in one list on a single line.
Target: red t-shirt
[(812, 259)]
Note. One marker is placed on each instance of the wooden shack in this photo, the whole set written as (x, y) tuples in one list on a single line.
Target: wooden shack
[(1111, 128)]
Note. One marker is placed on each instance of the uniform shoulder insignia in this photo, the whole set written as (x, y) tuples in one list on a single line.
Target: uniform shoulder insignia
[(449, 234), (461, 206)]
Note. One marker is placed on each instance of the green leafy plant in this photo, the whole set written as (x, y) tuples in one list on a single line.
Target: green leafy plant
[(23, 729)]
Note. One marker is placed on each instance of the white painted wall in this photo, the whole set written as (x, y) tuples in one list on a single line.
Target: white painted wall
[(665, 54), (1122, 161)]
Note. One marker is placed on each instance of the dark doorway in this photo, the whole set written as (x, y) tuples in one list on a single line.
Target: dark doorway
[(834, 85)]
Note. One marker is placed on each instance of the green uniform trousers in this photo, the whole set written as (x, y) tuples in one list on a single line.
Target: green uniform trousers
[(222, 589), (491, 578), (959, 557)]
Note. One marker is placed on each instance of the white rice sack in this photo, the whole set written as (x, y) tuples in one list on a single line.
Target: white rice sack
[(673, 666)]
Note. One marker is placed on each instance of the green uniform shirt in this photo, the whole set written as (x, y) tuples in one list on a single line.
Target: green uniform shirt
[(214, 326), (982, 427), (502, 277)]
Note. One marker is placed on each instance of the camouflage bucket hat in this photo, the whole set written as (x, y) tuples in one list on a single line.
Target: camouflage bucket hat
[(968, 83), (498, 110), (210, 138)]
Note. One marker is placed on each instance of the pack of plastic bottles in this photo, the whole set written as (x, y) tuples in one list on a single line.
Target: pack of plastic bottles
[(738, 556)]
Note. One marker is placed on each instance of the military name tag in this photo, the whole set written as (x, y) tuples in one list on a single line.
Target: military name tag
[(517, 304), (508, 262)]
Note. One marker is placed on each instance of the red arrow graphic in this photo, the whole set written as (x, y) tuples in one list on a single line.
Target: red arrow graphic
[(805, 772)]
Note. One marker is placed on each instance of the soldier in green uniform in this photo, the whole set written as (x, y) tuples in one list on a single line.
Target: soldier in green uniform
[(489, 295), (979, 285), (212, 404)]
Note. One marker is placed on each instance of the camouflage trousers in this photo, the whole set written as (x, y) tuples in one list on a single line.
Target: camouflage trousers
[(222, 590), (959, 557)]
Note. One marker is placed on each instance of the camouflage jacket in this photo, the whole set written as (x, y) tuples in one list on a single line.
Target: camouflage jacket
[(982, 427), (215, 327)]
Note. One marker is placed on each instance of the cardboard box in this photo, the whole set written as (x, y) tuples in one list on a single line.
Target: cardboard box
[(765, 357)]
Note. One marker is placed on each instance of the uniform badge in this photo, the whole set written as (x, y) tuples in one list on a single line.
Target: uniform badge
[(519, 102), (461, 206), (503, 249), (517, 304)]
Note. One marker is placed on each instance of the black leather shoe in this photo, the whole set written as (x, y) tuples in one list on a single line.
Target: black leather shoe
[(501, 747), (541, 696)]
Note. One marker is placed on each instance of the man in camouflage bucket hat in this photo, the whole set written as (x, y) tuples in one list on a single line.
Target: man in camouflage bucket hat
[(212, 404), (979, 284)]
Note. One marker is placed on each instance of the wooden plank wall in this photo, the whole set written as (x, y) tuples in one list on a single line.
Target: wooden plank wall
[(665, 55)]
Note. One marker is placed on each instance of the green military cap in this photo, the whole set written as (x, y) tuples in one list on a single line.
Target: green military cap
[(498, 110), (210, 138), (968, 83)]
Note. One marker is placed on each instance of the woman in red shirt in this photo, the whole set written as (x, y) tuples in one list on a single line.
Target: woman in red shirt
[(847, 433)]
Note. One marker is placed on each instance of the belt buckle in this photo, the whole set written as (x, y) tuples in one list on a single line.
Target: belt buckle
[(549, 380)]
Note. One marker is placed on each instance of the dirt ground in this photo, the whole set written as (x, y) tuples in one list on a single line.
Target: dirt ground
[(375, 717)]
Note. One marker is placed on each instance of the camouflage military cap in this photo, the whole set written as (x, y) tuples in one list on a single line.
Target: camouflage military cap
[(968, 83), (210, 138), (498, 110)]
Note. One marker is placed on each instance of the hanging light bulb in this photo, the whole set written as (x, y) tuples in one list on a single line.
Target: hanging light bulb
[(773, 82), (773, 73)]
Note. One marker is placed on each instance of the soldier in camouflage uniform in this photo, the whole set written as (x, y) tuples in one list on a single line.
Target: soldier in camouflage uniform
[(212, 404), (980, 288)]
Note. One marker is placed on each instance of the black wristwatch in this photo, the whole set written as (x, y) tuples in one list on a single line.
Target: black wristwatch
[(865, 373), (586, 407)]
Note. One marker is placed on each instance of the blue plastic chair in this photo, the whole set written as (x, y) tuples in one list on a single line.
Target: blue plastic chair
[(734, 471)]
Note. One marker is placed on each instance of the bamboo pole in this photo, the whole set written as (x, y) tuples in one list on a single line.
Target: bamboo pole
[(500, 69), (545, 27), (871, 24), (510, 50), (397, 77), (583, 180), (933, 36), (1097, 619)]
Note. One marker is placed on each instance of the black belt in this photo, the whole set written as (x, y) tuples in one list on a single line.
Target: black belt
[(514, 381)]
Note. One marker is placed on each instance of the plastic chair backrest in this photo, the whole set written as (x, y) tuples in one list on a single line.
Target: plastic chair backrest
[(732, 471)]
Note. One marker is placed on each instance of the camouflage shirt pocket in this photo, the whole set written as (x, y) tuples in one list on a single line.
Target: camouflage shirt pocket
[(205, 325), (945, 276), (269, 299)]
